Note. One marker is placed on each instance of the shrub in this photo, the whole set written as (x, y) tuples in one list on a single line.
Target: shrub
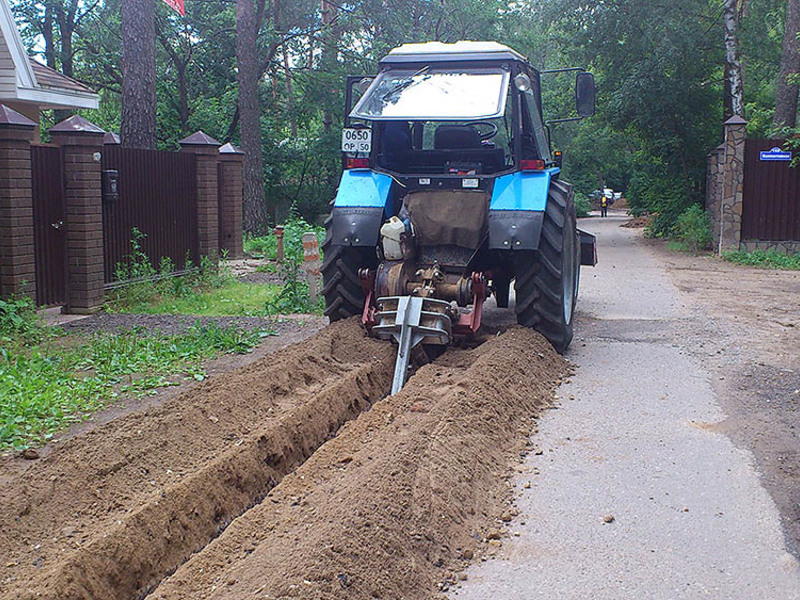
[(693, 228), (582, 205)]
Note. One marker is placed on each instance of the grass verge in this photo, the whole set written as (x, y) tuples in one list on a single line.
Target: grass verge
[(765, 259), (232, 298), (46, 384)]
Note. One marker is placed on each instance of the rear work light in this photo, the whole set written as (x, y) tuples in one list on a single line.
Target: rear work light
[(357, 163), (531, 165)]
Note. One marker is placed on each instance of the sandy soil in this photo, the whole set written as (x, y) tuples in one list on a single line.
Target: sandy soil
[(398, 501), (113, 510)]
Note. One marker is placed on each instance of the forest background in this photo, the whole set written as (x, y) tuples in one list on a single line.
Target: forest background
[(269, 75)]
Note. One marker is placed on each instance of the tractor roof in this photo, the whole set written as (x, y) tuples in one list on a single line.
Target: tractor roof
[(430, 52)]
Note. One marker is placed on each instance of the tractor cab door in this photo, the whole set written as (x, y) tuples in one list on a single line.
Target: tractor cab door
[(356, 86)]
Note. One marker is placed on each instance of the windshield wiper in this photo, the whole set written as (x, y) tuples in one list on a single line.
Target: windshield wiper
[(403, 84)]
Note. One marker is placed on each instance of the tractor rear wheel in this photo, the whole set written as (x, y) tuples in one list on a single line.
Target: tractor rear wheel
[(546, 280), (341, 286)]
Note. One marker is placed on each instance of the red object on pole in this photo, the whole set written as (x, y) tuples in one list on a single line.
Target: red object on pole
[(176, 5)]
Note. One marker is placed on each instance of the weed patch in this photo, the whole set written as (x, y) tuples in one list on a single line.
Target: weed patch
[(765, 259)]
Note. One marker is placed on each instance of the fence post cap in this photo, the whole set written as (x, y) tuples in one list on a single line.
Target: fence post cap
[(76, 124), (199, 138), (230, 149), (736, 120), (11, 118), (111, 138)]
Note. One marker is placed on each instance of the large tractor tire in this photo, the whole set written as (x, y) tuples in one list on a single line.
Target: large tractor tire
[(546, 280), (341, 285)]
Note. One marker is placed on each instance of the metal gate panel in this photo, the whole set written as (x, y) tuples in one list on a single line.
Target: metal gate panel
[(771, 198), (49, 228), (158, 197)]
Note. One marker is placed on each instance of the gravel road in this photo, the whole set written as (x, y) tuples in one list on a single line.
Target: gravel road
[(639, 491)]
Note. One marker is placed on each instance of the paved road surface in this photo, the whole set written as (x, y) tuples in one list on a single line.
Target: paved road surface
[(633, 439)]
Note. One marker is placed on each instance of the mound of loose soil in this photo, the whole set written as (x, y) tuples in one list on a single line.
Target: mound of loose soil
[(396, 502), (637, 222), (111, 512)]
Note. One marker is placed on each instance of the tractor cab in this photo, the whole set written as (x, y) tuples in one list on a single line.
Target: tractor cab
[(451, 109)]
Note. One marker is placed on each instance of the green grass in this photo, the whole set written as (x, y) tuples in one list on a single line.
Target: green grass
[(765, 259), (233, 298), (49, 385)]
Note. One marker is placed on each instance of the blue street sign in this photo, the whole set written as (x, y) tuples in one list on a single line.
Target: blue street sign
[(776, 154)]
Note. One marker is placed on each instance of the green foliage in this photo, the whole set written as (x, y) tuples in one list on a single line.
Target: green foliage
[(19, 322), (294, 296), (44, 388), (266, 246), (693, 228), (149, 289), (582, 205), (766, 259)]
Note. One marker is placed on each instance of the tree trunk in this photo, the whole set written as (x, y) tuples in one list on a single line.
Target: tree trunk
[(734, 94), (138, 129), (249, 117), (786, 97), (328, 59), (47, 34)]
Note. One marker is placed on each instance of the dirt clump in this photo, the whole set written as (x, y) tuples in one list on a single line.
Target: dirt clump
[(111, 512), (393, 504), (637, 222)]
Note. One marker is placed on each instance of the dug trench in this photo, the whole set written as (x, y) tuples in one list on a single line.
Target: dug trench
[(239, 472)]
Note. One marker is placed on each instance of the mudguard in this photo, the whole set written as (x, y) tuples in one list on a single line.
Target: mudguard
[(359, 207), (356, 226), (588, 248), (516, 210)]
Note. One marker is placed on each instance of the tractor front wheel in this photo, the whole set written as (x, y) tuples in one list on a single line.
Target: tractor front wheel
[(546, 280)]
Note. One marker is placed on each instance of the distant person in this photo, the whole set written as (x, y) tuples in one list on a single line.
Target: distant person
[(603, 206)]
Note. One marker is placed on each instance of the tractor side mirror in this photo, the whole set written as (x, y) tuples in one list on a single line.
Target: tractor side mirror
[(585, 94)]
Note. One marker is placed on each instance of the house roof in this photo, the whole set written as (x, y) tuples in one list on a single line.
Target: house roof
[(24, 80), (52, 79)]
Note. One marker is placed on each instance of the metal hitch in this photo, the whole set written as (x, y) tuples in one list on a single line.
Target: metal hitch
[(411, 320)]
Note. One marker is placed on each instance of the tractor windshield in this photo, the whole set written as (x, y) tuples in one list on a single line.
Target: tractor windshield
[(428, 94)]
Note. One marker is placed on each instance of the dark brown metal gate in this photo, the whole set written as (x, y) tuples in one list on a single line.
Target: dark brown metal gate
[(49, 230), (158, 197), (771, 199)]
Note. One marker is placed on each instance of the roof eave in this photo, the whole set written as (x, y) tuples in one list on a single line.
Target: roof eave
[(51, 98)]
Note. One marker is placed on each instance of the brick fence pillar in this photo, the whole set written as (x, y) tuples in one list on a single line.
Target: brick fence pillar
[(732, 184), (17, 260), (231, 160), (206, 150), (81, 145)]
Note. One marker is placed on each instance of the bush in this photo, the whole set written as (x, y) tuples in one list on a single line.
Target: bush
[(693, 229), (582, 205)]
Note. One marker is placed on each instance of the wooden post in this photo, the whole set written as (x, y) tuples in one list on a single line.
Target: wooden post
[(311, 263), (279, 244)]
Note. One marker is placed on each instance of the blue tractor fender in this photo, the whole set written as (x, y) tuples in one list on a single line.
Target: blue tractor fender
[(359, 207), (516, 210)]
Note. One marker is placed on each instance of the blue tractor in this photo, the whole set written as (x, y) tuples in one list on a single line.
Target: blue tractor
[(450, 192)]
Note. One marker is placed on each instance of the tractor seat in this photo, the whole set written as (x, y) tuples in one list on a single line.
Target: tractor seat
[(456, 137)]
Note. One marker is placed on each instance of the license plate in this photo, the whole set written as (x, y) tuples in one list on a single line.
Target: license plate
[(356, 140)]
